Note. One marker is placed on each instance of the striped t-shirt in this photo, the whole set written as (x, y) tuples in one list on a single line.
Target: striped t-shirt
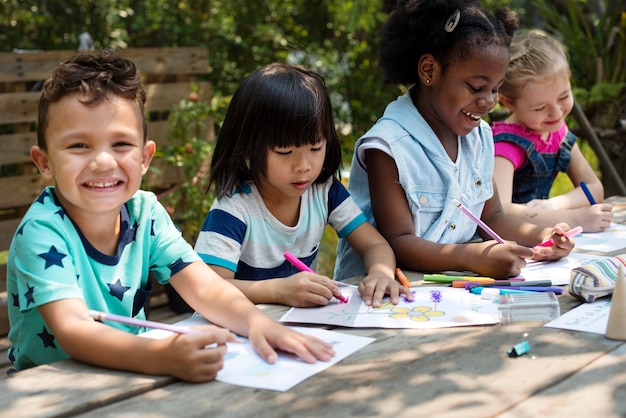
[(242, 235)]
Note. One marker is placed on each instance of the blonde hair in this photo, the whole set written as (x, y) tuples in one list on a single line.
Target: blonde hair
[(535, 56)]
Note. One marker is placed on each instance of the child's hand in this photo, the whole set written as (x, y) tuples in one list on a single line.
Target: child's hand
[(187, 356), (540, 204), (265, 335), (561, 246), (304, 290), (596, 218), (376, 285), (499, 261)]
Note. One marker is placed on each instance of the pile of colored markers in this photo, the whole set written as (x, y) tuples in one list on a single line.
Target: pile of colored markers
[(488, 287), (517, 299)]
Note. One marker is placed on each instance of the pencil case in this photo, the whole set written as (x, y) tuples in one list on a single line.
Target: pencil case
[(596, 279)]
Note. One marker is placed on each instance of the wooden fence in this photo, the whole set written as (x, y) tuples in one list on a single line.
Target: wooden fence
[(167, 74)]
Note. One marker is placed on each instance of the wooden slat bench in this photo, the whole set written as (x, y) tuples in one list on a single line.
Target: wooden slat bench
[(167, 74)]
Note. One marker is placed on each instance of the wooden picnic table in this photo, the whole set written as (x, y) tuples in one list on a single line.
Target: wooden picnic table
[(463, 371)]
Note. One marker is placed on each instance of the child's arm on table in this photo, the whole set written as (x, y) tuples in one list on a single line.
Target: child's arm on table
[(302, 290), (181, 355), (380, 264), (223, 304), (515, 228), (579, 171), (395, 222), (572, 208)]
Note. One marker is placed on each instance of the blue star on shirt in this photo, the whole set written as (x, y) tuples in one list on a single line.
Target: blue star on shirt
[(117, 289), (42, 196), (29, 295), (61, 213), (47, 338), (12, 354), (53, 257), (16, 300)]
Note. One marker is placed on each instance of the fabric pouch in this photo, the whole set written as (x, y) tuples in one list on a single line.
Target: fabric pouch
[(595, 279)]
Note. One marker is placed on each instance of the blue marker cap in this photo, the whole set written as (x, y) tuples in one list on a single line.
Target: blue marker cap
[(519, 349)]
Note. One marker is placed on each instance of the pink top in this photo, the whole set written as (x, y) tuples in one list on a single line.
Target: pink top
[(516, 153)]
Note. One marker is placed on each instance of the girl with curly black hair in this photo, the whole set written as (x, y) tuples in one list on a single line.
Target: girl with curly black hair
[(431, 150)]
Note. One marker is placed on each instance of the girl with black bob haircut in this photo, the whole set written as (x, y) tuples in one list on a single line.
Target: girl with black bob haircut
[(275, 176)]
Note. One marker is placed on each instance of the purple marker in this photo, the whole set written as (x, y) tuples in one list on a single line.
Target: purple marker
[(102, 316), (556, 290)]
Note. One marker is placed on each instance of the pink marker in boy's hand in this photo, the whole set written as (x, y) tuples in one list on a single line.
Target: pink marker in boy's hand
[(303, 267), (566, 234)]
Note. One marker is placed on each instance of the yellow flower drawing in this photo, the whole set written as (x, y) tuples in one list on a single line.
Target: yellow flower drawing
[(385, 305), (418, 314)]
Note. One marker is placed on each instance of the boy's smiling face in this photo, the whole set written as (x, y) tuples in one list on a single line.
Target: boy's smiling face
[(95, 154)]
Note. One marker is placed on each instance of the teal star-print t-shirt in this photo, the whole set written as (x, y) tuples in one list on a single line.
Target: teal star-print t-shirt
[(49, 260)]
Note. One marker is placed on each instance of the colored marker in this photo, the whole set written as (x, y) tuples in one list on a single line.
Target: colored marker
[(478, 222), (400, 275), (463, 283), (566, 234), (508, 283), (303, 267), (469, 284), (102, 316), (587, 192), (444, 278), (555, 290), (488, 291)]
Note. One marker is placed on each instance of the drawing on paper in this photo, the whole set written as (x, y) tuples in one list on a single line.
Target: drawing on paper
[(431, 308)]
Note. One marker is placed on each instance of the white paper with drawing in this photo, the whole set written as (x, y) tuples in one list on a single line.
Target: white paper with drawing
[(244, 367), (433, 307), (588, 317), (558, 271)]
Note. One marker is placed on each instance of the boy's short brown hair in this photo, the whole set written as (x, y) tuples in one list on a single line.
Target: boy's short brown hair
[(94, 75)]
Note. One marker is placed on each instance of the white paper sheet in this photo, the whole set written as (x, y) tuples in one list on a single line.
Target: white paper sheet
[(608, 240), (559, 271), (244, 367), (433, 307), (588, 317)]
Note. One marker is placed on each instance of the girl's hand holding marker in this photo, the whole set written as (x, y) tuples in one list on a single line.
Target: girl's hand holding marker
[(567, 234), (303, 267)]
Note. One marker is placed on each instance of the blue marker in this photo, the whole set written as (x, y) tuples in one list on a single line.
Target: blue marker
[(492, 291), (590, 198), (554, 289)]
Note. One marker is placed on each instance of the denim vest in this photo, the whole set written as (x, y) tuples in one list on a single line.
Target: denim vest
[(427, 176), (534, 179)]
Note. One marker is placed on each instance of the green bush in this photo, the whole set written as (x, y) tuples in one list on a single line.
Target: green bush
[(189, 150)]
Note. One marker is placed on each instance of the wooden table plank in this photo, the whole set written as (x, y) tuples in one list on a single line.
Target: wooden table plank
[(598, 390), (68, 388)]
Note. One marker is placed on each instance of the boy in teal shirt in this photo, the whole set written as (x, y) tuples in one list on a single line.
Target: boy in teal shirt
[(91, 241)]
